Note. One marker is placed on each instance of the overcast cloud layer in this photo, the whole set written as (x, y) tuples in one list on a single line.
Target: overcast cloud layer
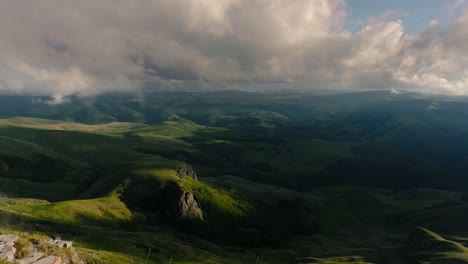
[(87, 46)]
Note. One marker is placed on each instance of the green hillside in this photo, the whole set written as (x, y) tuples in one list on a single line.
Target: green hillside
[(235, 177)]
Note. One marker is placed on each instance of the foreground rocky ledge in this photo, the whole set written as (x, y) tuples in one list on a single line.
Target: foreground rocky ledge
[(8, 250)]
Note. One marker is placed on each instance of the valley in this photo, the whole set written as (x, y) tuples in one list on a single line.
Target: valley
[(236, 177)]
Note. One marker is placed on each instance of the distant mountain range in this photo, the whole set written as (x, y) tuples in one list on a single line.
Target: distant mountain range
[(239, 177)]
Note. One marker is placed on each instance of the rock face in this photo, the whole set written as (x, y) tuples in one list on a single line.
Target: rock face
[(186, 171), (169, 200), (188, 207), (184, 203), (178, 204)]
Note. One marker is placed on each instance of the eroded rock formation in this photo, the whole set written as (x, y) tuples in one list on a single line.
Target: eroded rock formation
[(186, 171), (188, 207)]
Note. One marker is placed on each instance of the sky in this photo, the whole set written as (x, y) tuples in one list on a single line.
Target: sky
[(86, 47), (415, 14)]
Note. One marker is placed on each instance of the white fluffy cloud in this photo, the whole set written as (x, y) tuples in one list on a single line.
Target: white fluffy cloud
[(65, 47)]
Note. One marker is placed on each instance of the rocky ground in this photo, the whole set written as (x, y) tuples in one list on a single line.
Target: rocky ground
[(13, 249)]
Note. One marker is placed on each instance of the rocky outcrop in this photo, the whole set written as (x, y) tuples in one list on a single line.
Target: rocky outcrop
[(185, 203), (7, 247), (186, 171), (8, 251), (178, 203), (188, 207), (165, 200)]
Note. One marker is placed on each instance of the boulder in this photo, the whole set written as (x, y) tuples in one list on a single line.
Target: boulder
[(7, 247), (31, 258), (61, 243), (8, 252), (8, 239), (49, 260)]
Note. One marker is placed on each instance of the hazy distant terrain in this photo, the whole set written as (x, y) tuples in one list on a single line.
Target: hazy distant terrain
[(237, 177)]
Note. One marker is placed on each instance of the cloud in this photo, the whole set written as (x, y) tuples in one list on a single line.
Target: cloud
[(455, 6), (394, 90), (387, 15), (65, 47), (436, 60)]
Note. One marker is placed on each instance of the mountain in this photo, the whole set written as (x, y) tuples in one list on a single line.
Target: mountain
[(238, 177)]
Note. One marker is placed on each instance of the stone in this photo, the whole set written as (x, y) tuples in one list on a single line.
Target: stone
[(8, 250), (61, 243), (75, 259), (7, 247), (31, 258), (49, 260), (8, 253), (8, 238)]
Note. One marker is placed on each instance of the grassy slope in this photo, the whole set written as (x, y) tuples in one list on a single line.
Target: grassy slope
[(222, 150), (342, 213), (342, 217), (96, 211), (107, 210)]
